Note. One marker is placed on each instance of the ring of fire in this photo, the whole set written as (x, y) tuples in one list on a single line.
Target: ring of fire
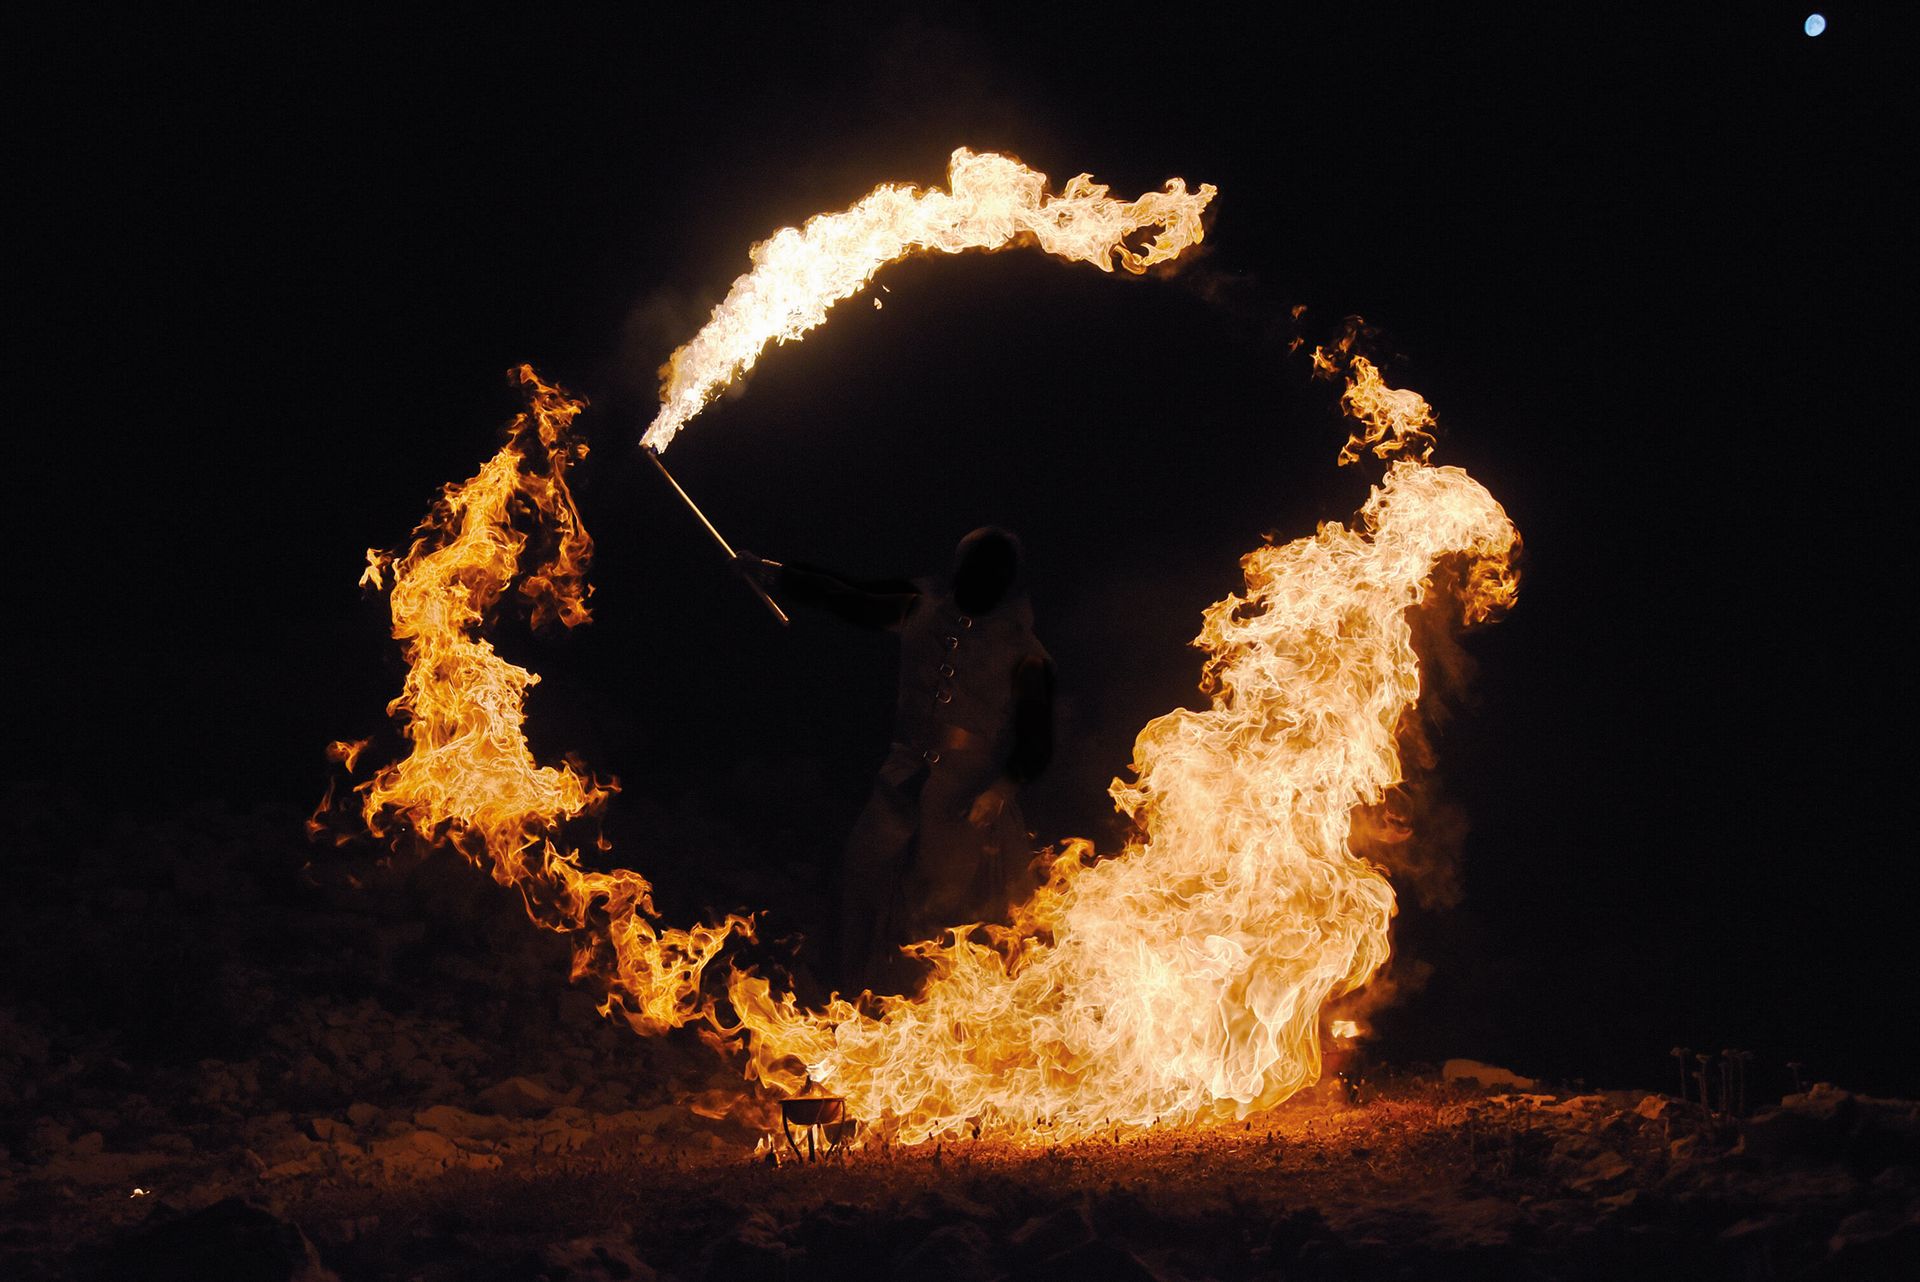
[(1180, 978)]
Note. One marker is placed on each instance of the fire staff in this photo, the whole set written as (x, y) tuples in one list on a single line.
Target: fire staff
[(941, 841)]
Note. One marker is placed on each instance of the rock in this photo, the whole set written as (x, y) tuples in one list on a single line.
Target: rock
[(171, 1142), (1896, 1178), (1832, 1124), (1577, 1147), (564, 1137), (362, 1115), (753, 1252), (1466, 1224), (309, 1079), (951, 1253), (1619, 1202), (276, 1138), (295, 1166), (458, 1124), (1289, 1235), (609, 1097), (1756, 1228), (1098, 1261), (420, 1071), (1470, 1070), (228, 1240), (416, 1154), (344, 1047), (1603, 1169), (327, 1130), (523, 1097), (653, 1121), (596, 1257), (1049, 1235), (48, 1137), (355, 1228), (102, 1170), (1873, 1243), (1653, 1107), (1582, 1106)]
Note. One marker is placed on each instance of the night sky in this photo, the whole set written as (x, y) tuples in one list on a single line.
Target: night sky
[(1638, 264)]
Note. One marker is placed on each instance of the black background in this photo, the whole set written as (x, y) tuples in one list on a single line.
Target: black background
[(1638, 262)]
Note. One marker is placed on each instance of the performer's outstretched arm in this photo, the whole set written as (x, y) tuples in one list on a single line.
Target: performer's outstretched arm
[(877, 604)]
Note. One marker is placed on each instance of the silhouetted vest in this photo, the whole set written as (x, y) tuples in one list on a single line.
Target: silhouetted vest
[(956, 674)]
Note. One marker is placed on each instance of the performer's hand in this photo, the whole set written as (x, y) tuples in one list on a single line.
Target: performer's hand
[(756, 569), (989, 805)]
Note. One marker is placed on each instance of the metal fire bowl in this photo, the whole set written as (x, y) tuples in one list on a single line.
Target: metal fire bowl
[(814, 1110), (822, 1121)]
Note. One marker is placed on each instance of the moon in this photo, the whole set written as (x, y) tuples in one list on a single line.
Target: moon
[(1816, 23)]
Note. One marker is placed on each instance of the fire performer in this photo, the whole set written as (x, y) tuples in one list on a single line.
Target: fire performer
[(941, 841)]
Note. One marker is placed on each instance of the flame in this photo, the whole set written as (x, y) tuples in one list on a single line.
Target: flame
[(992, 202), (347, 752), (1392, 420), (1180, 978), (1345, 1030), (470, 779), (1183, 979)]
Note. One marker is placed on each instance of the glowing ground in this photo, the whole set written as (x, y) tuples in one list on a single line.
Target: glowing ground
[(335, 1068)]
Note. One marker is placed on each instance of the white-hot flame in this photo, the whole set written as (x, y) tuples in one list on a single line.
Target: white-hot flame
[(991, 202), (470, 779), (1184, 978), (1181, 978)]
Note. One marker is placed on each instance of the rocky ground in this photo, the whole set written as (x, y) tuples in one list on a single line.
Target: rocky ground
[(247, 1057)]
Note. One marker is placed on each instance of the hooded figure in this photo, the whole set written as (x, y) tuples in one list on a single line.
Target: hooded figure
[(941, 842)]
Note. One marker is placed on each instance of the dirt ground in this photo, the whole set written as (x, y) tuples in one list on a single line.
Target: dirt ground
[(237, 1058), (1423, 1181)]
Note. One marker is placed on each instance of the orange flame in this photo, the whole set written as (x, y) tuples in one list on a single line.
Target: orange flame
[(1394, 421), (992, 202), (470, 778), (1183, 979), (347, 752)]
